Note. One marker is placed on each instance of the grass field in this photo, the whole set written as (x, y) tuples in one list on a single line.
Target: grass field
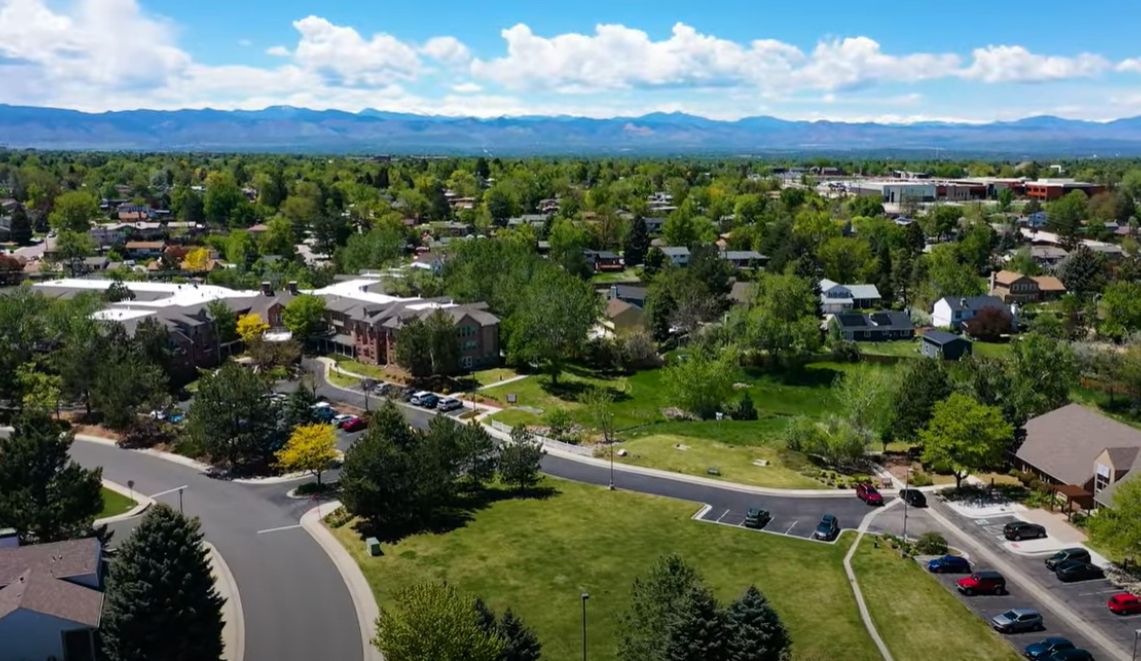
[(916, 616), (343, 380), (114, 504), (910, 349), (493, 375), (357, 367), (625, 276), (537, 556)]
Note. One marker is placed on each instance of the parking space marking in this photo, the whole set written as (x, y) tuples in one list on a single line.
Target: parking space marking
[(722, 516), (279, 528), (1090, 594), (791, 527)]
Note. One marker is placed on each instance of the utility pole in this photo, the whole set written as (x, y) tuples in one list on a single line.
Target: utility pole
[(584, 596), (906, 485)]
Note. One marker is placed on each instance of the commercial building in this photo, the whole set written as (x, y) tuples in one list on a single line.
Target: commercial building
[(1052, 189)]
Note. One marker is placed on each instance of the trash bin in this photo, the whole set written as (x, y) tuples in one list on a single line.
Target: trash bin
[(372, 545)]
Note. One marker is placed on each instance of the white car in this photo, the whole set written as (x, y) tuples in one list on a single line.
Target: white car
[(339, 418), (449, 404)]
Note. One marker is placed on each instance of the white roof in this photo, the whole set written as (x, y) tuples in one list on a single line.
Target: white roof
[(180, 295), (356, 290), (120, 314), (857, 291)]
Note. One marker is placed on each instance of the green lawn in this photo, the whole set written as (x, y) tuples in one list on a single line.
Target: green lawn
[(357, 367), (114, 504), (897, 348), (343, 380), (493, 375), (537, 556), (625, 276), (918, 618)]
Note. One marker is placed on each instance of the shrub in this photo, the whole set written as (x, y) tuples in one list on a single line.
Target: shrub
[(931, 543), (745, 409), (338, 517), (920, 479), (145, 433), (845, 352), (560, 423), (638, 351)]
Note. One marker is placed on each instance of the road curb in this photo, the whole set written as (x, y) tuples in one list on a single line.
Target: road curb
[(359, 590), (167, 456), (234, 629), (142, 503)]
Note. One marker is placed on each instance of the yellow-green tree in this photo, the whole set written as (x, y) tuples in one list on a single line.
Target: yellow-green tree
[(251, 327), (197, 260), (310, 448)]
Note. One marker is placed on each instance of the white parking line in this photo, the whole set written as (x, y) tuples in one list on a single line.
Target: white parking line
[(722, 516), (296, 525), (1090, 594), (791, 527), (163, 493)]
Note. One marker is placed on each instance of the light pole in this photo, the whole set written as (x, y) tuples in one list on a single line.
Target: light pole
[(906, 485), (180, 490), (611, 485), (1136, 635), (584, 596)]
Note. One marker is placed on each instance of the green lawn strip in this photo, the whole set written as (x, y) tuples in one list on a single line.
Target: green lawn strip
[(343, 380), (898, 348), (917, 617), (115, 503), (493, 375), (537, 556), (992, 349), (627, 276), (357, 367), (1116, 406)]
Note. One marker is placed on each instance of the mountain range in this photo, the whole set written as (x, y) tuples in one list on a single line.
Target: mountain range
[(288, 129)]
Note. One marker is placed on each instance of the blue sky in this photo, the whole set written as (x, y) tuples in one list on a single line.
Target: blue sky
[(885, 61)]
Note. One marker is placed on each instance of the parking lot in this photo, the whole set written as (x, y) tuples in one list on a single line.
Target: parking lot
[(796, 517), (1087, 598)]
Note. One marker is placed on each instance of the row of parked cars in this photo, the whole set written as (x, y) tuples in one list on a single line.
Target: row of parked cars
[(1068, 564), (421, 398)]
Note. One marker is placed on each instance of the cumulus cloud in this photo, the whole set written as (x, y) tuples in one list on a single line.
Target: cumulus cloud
[(278, 51), (448, 50), (467, 88), (1015, 64), (1132, 65), (344, 54)]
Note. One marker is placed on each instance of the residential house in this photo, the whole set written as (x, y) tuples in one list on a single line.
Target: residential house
[(952, 311), (1046, 257), (744, 259), (678, 255), (51, 600), (144, 249), (835, 297), (604, 260), (944, 345), (873, 327), (653, 225), (535, 220), (629, 293), (1082, 451), (129, 213), (1014, 287), (621, 317)]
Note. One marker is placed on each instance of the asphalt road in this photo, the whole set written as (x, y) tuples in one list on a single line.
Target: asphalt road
[(295, 605)]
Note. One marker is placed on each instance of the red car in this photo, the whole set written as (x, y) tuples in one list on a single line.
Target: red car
[(868, 494), (354, 424), (1124, 604)]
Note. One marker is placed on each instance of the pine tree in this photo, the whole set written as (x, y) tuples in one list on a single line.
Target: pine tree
[(519, 642), (655, 599), (44, 495), (637, 243), (21, 227), (754, 631), (697, 630), (160, 600)]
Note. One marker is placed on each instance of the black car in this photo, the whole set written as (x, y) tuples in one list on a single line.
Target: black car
[(1070, 655), (1017, 530), (1077, 570), (913, 497), (1065, 555), (1047, 647), (827, 529), (756, 517)]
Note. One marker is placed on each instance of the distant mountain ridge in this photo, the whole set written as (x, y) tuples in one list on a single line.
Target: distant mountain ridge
[(285, 128)]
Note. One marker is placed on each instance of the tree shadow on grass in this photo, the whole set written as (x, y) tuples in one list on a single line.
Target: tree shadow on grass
[(817, 377), (454, 516)]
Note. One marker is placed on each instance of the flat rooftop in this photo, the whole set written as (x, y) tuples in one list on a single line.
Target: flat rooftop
[(148, 294)]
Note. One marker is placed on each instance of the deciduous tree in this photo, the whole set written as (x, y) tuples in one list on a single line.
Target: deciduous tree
[(965, 436), (73, 211), (433, 621), (1118, 528), (519, 461), (250, 327), (311, 448), (304, 316)]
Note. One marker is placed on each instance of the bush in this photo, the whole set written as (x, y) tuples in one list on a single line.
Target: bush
[(638, 351), (745, 410), (338, 517), (145, 433), (931, 543), (845, 352), (920, 479), (559, 423)]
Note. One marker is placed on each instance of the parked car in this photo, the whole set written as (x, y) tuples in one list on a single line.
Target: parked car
[(1017, 530), (1046, 647), (425, 399), (1124, 603), (353, 424), (1071, 655), (868, 494), (949, 564), (982, 582), (1066, 555), (1016, 620), (339, 419), (1076, 570), (449, 404), (323, 412), (913, 497), (827, 529), (756, 517)]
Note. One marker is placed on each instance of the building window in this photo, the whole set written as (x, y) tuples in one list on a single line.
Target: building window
[(467, 331), (470, 344)]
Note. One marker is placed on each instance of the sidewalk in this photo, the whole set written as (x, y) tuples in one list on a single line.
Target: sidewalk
[(234, 627)]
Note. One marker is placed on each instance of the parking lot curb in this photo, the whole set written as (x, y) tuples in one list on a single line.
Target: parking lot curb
[(234, 628)]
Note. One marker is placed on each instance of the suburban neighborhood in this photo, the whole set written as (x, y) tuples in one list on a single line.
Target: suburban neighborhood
[(693, 334)]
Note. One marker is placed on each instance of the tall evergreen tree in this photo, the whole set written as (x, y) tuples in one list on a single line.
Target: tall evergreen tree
[(45, 495), (754, 630), (21, 227), (696, 632), (637, 243), (655, 601), (519, 642), (160, 600)]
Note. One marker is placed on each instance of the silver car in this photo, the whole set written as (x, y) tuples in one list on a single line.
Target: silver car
[(1017, 620)]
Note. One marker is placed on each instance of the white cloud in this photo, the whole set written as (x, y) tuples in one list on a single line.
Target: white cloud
[(448, 50), (467, 88), (278, 51), (342, 53), (1132, 65), (1015, 64)]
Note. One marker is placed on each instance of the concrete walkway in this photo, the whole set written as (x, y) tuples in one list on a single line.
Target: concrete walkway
[(363, 600), (865, 615), (517, 377)]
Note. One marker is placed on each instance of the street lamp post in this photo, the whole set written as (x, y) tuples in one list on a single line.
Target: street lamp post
[(584, 596), (906, 486), (180, 499), (611, 485), (1136, 636)]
